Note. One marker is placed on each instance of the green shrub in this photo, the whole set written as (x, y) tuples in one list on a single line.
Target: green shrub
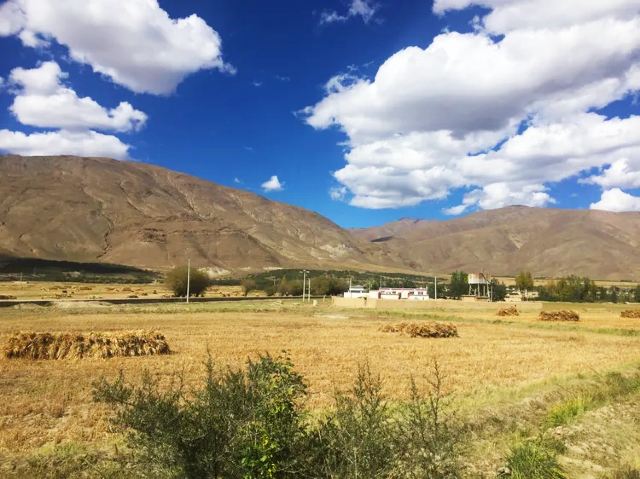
[(357, 439), (176, 281), (251, 424), (248, 285), (564, 412), (239, 424), (431, 438), (535, 459)]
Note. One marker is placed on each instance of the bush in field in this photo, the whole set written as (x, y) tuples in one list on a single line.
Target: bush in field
[(357, 439), (289, 287), (238, 424), (524, 281), (248, 285), (328, 286), (459, 284), (250, 424), (176, 281)]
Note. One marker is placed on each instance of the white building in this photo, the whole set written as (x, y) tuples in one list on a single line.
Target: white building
[(357, 292), (411, 294)]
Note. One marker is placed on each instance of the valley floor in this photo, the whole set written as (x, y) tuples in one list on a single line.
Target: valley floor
[(508, 376)]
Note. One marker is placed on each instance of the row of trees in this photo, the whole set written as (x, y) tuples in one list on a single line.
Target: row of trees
[(570, 289), (576, 289)]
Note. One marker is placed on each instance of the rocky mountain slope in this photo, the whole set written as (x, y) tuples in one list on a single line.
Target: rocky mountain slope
[(545, 241), (97, 209), (102, 210)]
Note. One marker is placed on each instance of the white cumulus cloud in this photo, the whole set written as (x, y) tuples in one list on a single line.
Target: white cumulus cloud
[(451, 115), (133, 42), (81, 143), (617, 200), (364, 9), (43, 101), (273, 184)]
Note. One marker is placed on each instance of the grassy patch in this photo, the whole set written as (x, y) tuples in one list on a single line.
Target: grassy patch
[(625, 472), (535, 459), (564, 412)]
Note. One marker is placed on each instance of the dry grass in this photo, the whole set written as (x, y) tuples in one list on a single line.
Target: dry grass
[(70, 290), (422, 330), (563, 315), (630, 313), (79, 346), (508, 311), (45, 402)]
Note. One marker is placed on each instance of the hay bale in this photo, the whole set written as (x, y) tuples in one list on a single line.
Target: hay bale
[(508, 311), (563, 315), (630, 313), (422, 330), (79, 346)]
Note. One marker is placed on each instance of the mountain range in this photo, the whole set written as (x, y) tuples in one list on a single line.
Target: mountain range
[(102, 210)]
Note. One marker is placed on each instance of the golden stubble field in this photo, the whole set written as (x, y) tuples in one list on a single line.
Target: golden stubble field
[(44, 402), (79, 291)]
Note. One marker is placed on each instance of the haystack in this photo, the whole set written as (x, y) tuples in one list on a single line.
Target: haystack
[(78, 346), (508, 311), (422, 330), (630, 313), (563, 315)]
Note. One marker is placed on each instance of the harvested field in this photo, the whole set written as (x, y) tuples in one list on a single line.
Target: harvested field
[(563, 315), (79, 346), (49, 403), (422, 330), (630, 313), (508, 311)]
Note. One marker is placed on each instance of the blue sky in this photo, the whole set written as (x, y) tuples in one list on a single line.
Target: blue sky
[(241, 120)]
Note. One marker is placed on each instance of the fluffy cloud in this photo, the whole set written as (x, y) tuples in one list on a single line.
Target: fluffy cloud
[(43, 101), (451, 115), (272, 184), (133, 42), (358, 8), (617, 200), (83, 143), (338, 193)]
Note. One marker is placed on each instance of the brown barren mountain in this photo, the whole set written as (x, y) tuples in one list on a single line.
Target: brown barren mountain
[(547, 242), (98, 209), (102, 210)]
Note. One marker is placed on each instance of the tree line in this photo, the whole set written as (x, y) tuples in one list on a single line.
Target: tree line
[(576, 289)]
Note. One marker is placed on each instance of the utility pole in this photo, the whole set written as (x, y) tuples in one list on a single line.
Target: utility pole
[(304, 283), (188, 278), (309, 290), (435, 287)]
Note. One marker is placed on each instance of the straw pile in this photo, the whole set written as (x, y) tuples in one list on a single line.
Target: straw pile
[(630, 313), (509, 311), (422, 330), (563, 315), (92, 345)]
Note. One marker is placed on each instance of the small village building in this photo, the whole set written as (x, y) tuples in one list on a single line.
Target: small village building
[(410, 294), (357, 291)]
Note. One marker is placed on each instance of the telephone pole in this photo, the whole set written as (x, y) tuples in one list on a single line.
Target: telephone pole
[(304, 284), (188, 278), (435, 287)]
